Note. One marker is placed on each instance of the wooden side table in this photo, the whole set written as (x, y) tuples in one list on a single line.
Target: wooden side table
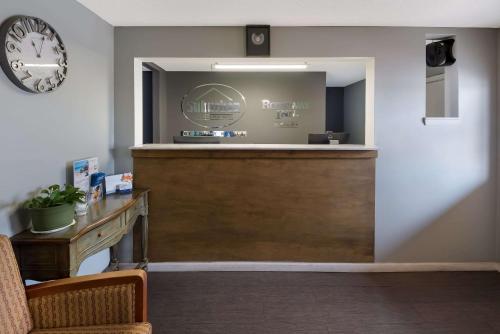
[(57, 255)]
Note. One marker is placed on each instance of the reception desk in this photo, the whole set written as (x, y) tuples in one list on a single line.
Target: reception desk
[(258, 202)]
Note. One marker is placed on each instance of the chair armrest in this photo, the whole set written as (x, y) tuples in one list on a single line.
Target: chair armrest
[(136, 277)]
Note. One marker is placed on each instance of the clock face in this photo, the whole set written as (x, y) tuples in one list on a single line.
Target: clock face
[(33, 55)]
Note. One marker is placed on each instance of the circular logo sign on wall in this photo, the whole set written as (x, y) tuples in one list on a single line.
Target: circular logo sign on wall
[(213, 105)]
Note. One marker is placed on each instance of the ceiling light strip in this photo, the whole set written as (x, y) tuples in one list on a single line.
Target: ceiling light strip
[(263, 67)]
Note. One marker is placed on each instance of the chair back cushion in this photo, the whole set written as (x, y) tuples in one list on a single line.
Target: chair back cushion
[(15, 317)]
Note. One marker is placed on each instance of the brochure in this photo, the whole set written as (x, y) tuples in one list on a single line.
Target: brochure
[(97, 187), (82, 169), (119, 183)]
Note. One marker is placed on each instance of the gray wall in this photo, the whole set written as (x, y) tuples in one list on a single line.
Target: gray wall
[(498, 147), (159, 104), (334, 109), (276, 87), (41, 134), (354, 112), (435, 185)]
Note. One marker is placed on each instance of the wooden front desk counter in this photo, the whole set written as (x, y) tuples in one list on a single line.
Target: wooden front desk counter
[(246, 202)]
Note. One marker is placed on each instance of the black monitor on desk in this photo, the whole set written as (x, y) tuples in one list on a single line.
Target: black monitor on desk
[(196, 140), (318, 138)]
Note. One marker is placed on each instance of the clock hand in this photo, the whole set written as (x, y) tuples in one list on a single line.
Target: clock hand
[(34, 46), (38, 53), (41, 46)]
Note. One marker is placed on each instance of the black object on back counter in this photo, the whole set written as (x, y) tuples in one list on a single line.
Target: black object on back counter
[(196, 140), (318, 138)]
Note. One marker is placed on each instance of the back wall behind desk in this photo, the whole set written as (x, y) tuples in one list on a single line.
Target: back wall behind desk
[(260, 123)]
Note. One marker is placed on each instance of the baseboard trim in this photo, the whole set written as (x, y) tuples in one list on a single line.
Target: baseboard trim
[(317, 267)]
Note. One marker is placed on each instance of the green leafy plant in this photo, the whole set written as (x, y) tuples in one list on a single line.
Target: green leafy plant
[(56, 196)]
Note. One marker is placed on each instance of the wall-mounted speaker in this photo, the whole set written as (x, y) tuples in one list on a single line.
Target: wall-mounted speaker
[(440, 53), (258, 40)]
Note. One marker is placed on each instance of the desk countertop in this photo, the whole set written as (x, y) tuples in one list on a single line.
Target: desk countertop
[(263, 147)]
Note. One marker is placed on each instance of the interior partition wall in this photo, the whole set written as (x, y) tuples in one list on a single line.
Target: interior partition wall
[(435, 185)]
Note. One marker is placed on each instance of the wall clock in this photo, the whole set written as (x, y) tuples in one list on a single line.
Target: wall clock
[(33, 55)]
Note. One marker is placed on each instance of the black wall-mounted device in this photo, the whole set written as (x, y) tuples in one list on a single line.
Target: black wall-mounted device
[(258, 40), (440, 53)]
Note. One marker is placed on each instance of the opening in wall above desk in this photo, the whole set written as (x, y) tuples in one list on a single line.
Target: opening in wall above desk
[(441, 79), (275, 100)]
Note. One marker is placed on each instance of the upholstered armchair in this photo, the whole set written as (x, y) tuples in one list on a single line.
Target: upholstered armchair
[(109, 303)]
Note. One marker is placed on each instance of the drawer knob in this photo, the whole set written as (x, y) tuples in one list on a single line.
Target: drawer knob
[(99, 234)]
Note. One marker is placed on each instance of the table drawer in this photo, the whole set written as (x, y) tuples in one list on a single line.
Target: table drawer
[(99, 237)]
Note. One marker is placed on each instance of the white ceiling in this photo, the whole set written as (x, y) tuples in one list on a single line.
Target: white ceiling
[(424, 13), (340, 72)]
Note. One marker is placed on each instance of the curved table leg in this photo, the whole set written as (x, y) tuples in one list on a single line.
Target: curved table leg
[(114, 263), (144, 244)]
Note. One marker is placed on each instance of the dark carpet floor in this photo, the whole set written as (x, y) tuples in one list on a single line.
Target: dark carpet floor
[(313, 303)]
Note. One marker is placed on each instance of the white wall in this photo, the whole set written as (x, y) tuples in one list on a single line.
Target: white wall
[(41, 134), (434, 96), (435, 185)]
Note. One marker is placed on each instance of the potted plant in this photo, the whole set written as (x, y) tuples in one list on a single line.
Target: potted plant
[(54, 208)]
